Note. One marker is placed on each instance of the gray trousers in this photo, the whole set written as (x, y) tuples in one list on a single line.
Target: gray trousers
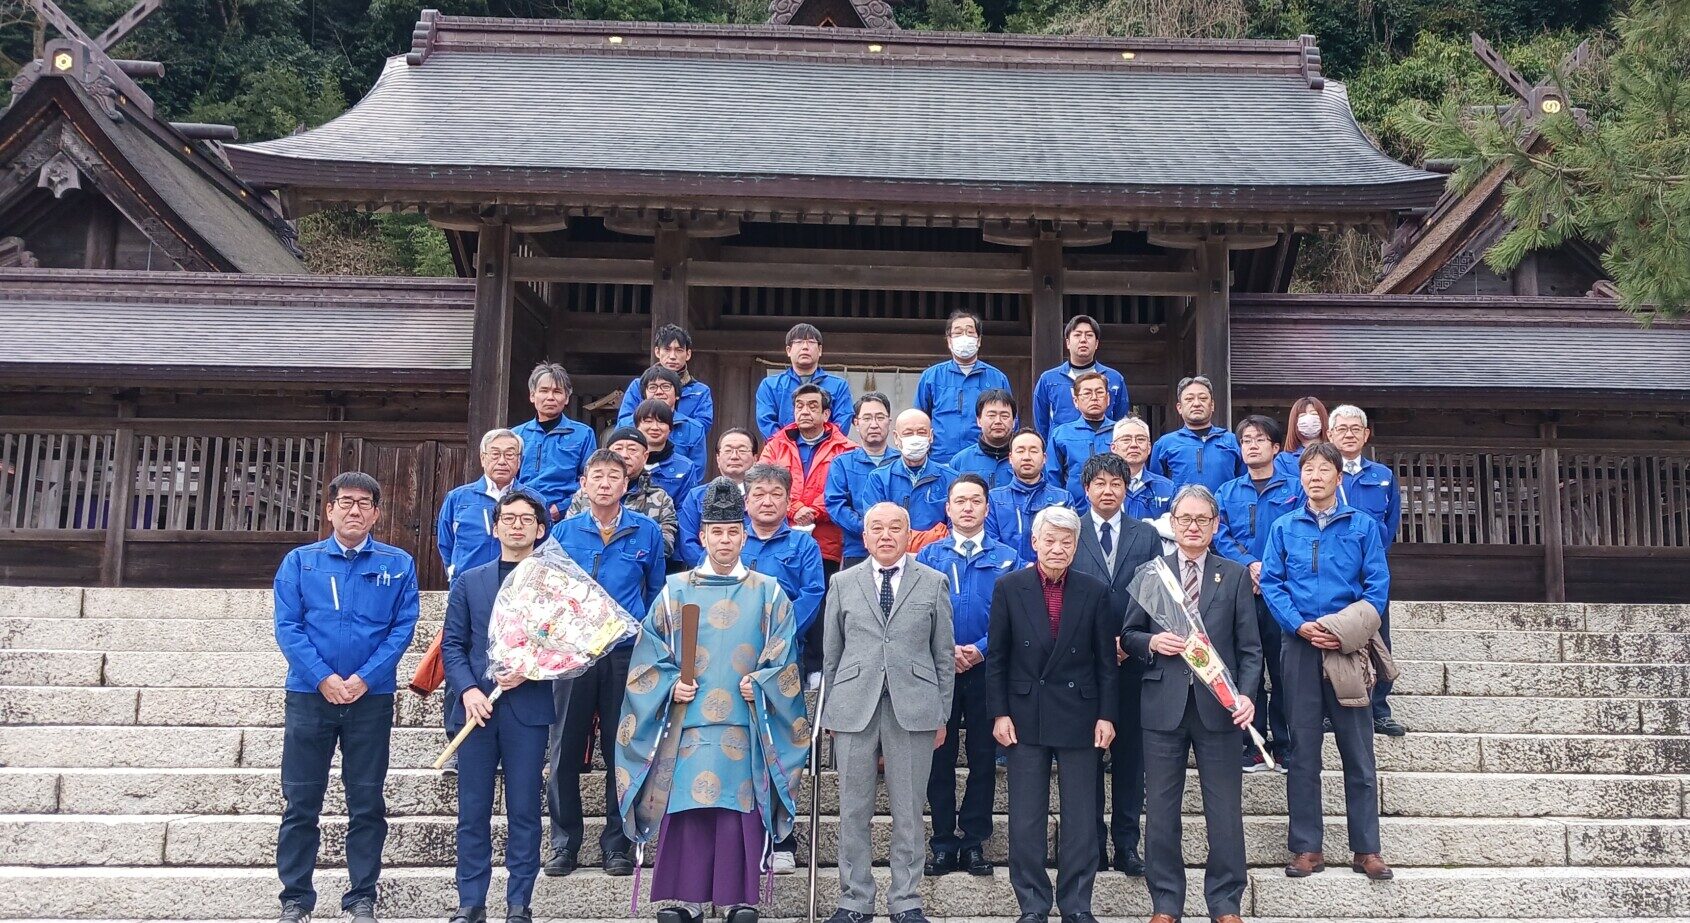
[(1308, 698), (909, 759), (1222, 780), (1029, 817)]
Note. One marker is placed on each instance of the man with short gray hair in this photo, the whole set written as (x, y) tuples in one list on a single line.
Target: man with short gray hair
[(1373, 490), (554, 447), (464, 530)]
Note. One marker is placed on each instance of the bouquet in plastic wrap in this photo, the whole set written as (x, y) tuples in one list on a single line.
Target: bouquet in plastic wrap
[(550, 621), (1156, 588)]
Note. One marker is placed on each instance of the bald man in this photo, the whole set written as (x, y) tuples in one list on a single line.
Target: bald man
[(888, 624), (913, 481)]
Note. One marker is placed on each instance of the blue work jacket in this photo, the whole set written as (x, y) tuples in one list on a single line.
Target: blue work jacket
[(1375, 491), (345, 616), (1247, 514), (795, 561), (552, 462), (774, 400), (922, 492), (694, 402), (971, 583), (1072, 445), (463, 532), (1309, 572), (846, 495), (629, 566), (948, 396), (1153, 496), (1010, 510), (675, 474), (1053, 397), (975, 460), (1211, 459)]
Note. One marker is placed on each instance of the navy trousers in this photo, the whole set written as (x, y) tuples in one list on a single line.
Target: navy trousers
[(1270, 705), (1126, 765), (972, 826), (520, 751), (598, 691), (1308, 699), (1382, 689), (312, 729)]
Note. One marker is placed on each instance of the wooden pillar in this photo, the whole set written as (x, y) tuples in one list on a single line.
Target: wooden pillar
[(100, 249), (118, 514), (669, 277), (1524, 278), (494, 333), (1044, 258), (1549, 508), (1212, 324)]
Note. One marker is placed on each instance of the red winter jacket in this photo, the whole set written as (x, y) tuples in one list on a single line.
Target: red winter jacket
[(808, 490)]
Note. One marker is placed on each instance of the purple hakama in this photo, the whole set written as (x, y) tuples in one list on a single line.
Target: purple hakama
[(709, 856)]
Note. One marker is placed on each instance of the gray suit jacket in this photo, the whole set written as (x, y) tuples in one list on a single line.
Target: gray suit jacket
[(1228, 606), (912, 654)]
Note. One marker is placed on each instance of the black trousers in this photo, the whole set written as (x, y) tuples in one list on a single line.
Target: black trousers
[(1222, 780), (972, 826), (597, 692), (311, 730), (1126, 766), (1029, 818), (1270, 704)]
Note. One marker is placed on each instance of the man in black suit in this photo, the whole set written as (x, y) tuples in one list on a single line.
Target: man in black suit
[(1180, 717), (1112, 546), (1050, 678)]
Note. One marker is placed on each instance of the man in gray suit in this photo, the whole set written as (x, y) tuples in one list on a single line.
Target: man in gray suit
[(1112, 546), (889, 663), (1180, 718)]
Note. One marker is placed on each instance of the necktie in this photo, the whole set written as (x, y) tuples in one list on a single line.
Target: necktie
[(1192, 580), (968, 550), (1352, 466), (886, 574), (1108, 540)]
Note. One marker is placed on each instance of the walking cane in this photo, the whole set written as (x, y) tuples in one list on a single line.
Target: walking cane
[(815, 791)]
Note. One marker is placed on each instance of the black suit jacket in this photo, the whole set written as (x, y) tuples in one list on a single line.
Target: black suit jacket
[(463, 652), (1137, 543), (1054, 689), (1226, 601)]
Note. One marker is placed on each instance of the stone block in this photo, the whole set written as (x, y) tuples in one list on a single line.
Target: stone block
[(1627, 647), (1517, 715), (41, 602), (202, 669), (66, 705), (1481, 646), (1496, 794), (1666, 716), (70, 746), (29, 791), (1475, 892), (1467, 616), (1630, 842), (1571, 679), (1597, 754), (171, 603), (78, 840), (1633, 617), (412, 748), (51, 668)]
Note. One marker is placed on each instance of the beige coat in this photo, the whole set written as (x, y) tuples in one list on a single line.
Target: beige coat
[(1361, 658)]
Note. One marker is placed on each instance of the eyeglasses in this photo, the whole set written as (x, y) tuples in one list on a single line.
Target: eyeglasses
[(348, 503), (507, 454), (1186, 522), (1350, 430), (1255, 440), (512, 519)]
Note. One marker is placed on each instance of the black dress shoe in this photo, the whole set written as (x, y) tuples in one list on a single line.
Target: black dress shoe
[(1389, 726), (973, 861), (561, 863), (741, 914), (677, 915), (912, 915), (841, 915), (1032, 918), (617, 864), (1083, 916), (942, 862), (1127, 862), (469, 915), (518, 913)]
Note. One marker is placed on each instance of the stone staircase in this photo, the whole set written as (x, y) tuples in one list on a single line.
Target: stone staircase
[(1547, 775)]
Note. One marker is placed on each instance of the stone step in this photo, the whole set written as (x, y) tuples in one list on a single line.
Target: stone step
[(197, 893), (75, 746), (541, 918), (250, 841), (177, 706), (1564, 680), (1534, 646), (252, 636)]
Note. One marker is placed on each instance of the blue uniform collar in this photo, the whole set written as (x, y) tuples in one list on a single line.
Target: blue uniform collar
[(1341, 511), (956, 367), (779, 536), (1022, 487), (1190, 433), (345, 552), (925, 471), (564, 425)]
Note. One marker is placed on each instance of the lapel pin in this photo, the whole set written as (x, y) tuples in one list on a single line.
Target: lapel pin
[(1217, 578)]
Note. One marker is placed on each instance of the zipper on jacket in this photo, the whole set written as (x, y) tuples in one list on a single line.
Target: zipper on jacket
[(1316, 556)]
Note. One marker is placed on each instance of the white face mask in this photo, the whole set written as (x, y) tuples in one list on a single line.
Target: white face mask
[(1308, 425), (915, 447), (965, 347)]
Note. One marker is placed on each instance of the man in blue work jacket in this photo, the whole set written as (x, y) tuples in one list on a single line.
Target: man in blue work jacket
[(623, 551), (1074, 443), (1200, 452), (553, 446), (687, 435), (736, 452), (774, 393), (775, 549), (914, 480), (1149, 495), (669, 469), (1053, 397), (988, 456), (671, 347), (846, 491), (1371, 488), (1319, 559), (464, 530), (345, 609), (948, 392), (972, 562), (1010, 509), (1249, 506), (511, 740)]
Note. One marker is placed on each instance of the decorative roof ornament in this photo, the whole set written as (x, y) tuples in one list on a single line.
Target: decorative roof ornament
[(84, 59), (844, 14)]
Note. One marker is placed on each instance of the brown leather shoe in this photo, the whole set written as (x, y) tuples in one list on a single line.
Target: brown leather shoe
[(1371, 865), (1163, 918), (1304, 864), (1229, 918)]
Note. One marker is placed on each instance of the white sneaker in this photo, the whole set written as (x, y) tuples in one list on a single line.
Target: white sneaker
[(815, 680), (785, 863)]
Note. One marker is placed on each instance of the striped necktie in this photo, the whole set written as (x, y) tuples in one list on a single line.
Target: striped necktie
[(1193, 578)]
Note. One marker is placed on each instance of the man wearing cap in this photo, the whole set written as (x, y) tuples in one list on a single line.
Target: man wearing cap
[(710, 766)]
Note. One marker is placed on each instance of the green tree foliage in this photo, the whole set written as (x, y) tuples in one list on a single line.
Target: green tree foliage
[(1617, 176)]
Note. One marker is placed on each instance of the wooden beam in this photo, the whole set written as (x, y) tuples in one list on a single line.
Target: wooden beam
[(117, 515), (493, 334), (1212, 324), (1524, 277), (1044, 259), (1109, 282), (1549, 506), (669, 277)]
